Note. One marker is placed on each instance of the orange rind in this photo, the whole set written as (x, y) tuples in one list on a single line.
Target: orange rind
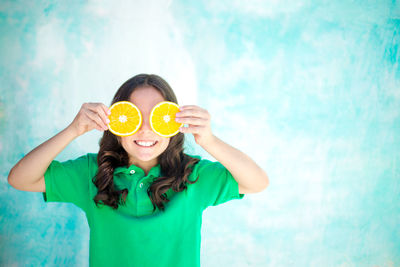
[(125, 118), (162, 119)]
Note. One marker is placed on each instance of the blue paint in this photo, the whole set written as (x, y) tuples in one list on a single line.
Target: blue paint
[(308, 89)]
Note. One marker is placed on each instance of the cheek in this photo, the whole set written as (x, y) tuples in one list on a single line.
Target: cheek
[(165, 143), (125, 142)]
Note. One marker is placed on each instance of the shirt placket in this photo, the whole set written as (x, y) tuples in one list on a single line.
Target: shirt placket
[(140, 198), (138, 202)]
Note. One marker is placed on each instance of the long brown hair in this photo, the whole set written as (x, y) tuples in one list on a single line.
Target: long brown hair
[(175, 165)]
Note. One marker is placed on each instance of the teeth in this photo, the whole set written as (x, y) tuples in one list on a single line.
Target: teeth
[(145, 143)]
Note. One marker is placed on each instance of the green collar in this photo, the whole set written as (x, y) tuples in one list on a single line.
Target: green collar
[(155, 171)]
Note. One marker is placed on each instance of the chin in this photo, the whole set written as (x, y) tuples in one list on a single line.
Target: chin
[(145, 150)]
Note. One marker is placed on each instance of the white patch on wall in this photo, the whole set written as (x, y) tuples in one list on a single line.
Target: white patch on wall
[(141, 37), (112, 43), (261, 8), (50, 46)]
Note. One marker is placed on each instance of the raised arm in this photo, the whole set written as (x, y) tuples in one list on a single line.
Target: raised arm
[(250, 177), (28, 173)]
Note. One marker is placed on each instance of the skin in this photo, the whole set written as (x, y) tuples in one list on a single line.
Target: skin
[(28, 173), (145, 98), (250, 177)]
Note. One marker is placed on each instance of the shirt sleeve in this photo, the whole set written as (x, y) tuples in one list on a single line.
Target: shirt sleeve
[(216, 184), (68, 181)]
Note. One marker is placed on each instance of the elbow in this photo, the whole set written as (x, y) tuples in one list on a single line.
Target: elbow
[(263, 184), (13, 180), (266, 184), (10, 179), (266, 181)]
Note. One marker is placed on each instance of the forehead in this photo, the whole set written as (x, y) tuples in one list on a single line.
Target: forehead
[(146, 97)]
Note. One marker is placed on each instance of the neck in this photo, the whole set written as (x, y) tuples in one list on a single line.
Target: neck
[(144, 165)]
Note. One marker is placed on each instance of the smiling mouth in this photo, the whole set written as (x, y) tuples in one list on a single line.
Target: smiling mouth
[(145, 143)]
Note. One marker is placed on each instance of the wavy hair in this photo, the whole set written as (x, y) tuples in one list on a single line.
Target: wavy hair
[(175, 165)]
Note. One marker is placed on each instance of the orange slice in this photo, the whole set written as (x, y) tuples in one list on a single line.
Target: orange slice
[(125, 118), (162, 119)]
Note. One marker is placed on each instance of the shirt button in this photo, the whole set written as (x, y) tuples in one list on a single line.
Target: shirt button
[(141, 185), (132, 171)]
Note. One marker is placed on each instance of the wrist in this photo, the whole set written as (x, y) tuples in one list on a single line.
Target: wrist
[(72, 131), (209, 142)]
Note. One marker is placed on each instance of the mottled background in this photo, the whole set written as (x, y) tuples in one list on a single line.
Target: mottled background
[(309, 89)]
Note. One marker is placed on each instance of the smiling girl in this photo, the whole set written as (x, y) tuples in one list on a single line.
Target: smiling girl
[(142, 195)]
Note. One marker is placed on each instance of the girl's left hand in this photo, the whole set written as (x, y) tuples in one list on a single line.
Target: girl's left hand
[(199, 122)]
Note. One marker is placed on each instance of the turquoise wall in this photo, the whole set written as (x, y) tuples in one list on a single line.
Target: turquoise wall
[(309, 89)]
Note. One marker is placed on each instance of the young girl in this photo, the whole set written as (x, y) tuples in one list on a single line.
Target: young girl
[(142, 195)]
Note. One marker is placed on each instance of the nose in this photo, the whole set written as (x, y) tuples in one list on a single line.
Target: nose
[(145, 124)]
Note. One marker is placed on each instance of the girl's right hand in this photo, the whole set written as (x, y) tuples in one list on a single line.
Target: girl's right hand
[(91, 116)]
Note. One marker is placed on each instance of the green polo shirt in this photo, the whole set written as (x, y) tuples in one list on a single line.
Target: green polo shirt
[(134, 235)]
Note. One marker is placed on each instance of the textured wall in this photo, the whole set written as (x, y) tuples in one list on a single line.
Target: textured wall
[(309, 89)]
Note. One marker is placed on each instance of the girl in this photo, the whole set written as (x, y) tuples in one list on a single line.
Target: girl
[(142, 195)]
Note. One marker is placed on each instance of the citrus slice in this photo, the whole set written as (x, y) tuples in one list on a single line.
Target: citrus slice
[(125, 118), (162, 119)]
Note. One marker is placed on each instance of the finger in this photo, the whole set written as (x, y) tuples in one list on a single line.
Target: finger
[(192, 121), (193, 112), (101, 110), (99, 128), (192, 129), (94, 124), (106, 109), (188, 107), (96, 118)]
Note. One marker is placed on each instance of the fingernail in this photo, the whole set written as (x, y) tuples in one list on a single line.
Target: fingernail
[(108, 121)]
